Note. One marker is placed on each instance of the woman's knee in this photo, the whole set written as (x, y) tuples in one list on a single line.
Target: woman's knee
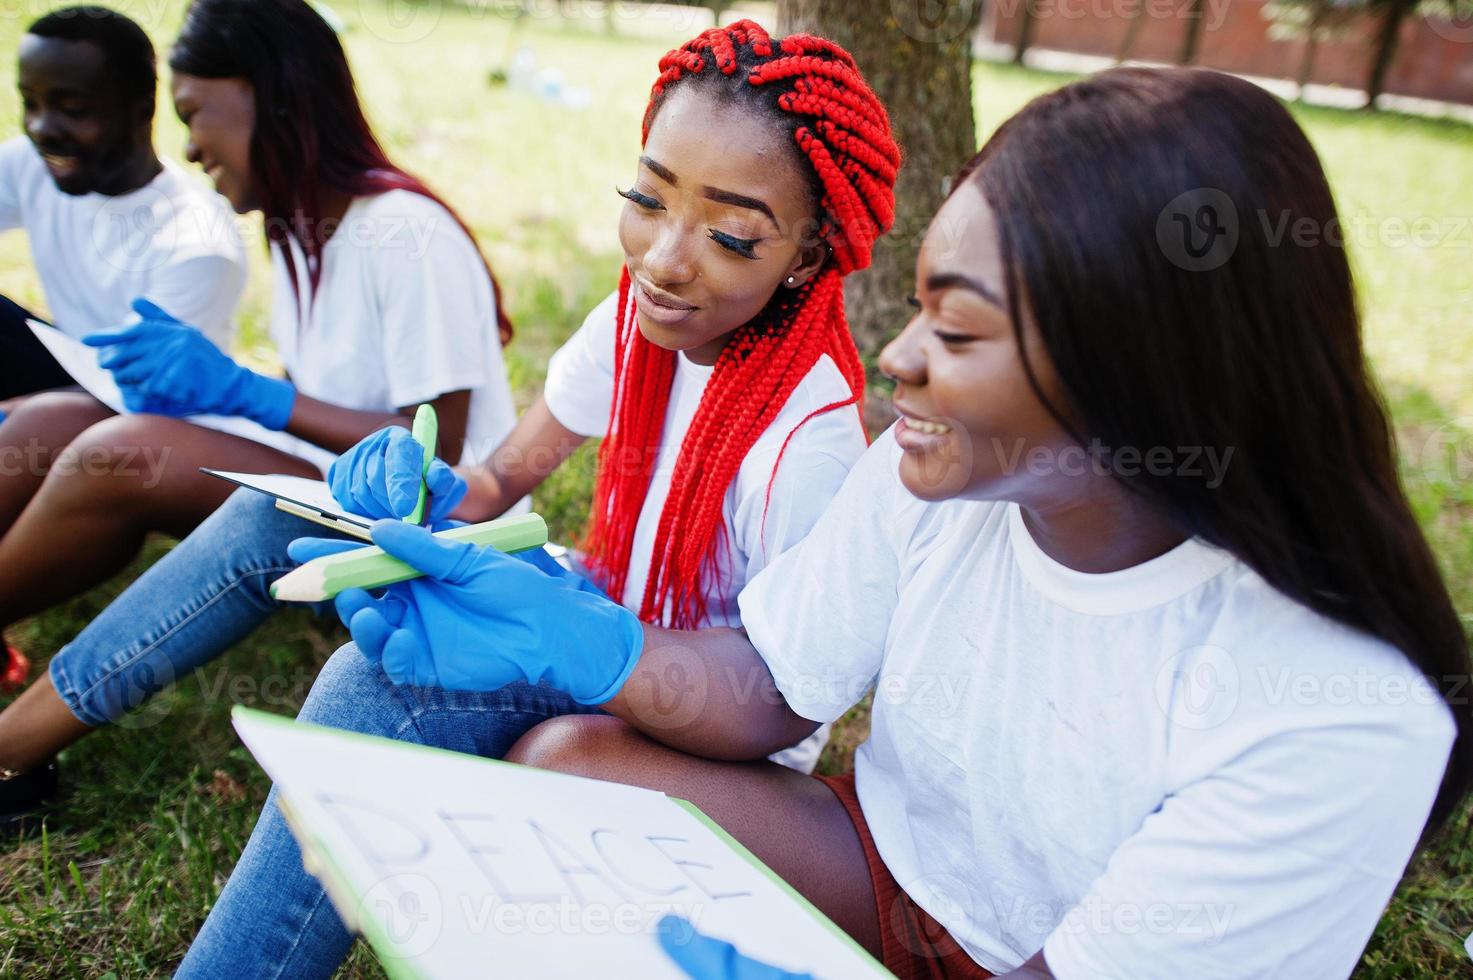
[(351, 692), (114, 460), (43, 425), (582, 745), (49, 411)]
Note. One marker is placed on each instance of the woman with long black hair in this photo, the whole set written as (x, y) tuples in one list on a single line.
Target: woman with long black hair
[(1167, 682), (381, 302)]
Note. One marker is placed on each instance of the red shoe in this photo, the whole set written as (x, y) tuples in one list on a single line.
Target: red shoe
[(15, 672)]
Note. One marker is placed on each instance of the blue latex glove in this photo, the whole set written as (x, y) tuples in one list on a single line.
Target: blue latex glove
[(166, 367), (704, 958), (379, 477), (481, 619)]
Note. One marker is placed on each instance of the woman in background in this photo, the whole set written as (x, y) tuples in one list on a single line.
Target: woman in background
[(381, 301)]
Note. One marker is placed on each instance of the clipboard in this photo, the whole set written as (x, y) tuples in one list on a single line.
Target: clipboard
[(477, 866), (308, 499)]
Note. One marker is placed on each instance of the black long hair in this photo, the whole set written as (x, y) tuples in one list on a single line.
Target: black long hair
[(1146, 216), (310, 130)]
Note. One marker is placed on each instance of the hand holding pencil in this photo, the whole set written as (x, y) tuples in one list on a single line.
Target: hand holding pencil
[(384, 475), (478, 619)]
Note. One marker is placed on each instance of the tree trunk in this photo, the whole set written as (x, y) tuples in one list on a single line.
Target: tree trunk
[(1193, 38), (1132, 31), (1396, 12), (1311, 45), (920, 66), (1026, 26)]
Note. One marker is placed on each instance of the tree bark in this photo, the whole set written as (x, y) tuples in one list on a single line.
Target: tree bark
[(1311, 45), (1027, 25), (1395, 12), (917, 55), (1192, 40), (1132, 32)]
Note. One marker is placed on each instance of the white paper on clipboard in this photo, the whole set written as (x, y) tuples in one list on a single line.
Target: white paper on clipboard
[(308, 499), (80, 361), (471, 867)]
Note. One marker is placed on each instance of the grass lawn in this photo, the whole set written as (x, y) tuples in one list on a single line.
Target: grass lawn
[(157, 811)]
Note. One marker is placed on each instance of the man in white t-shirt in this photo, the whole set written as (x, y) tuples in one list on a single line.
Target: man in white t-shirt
[(107, 220)]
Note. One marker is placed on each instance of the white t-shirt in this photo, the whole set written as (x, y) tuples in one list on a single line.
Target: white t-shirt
[(403, 313), (173, 241), (580, 391), (1168, 771)]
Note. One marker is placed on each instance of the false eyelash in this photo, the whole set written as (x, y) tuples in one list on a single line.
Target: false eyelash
[(745, 247), (643, 200)]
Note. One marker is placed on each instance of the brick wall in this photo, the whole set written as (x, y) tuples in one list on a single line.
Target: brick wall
[(1434, 58)]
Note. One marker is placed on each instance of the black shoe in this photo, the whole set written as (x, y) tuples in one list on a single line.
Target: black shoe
[(23, 797)]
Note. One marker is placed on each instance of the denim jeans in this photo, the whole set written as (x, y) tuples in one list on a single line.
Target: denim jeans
[(195, 603), (273, 919)]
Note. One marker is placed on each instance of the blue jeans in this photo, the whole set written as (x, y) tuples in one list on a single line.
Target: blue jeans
[(204, 596), (195, 603), (273, 919)]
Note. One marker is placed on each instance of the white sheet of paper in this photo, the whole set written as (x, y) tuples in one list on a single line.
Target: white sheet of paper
[(296, 489), (455, 866), (80, 361)]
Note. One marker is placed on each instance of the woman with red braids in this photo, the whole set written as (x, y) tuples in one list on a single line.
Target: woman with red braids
[(725, 383)]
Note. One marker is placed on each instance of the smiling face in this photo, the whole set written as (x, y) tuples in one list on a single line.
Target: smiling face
[(971, 425), (90, 136), (221, 116), (716, 223)]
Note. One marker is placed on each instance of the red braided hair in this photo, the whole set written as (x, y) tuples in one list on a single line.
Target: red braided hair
[(842, 131)]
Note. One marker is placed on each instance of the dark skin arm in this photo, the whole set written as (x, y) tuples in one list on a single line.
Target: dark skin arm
[(538, 445), (709, 693), (338, 429)]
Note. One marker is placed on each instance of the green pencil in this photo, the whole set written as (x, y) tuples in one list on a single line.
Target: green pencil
[(426, 432), (370, 568)]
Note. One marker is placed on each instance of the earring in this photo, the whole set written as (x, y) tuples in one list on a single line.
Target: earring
[(792, 279)]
